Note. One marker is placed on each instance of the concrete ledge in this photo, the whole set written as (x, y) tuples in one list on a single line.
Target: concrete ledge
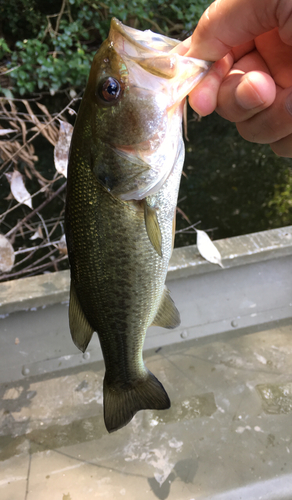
[(53, 288), (34, 292), (236, 251)]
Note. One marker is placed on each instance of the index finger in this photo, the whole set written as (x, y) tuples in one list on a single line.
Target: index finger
[(229, 23)]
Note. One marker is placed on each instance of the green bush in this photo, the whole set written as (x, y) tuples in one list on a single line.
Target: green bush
[(59, 54)]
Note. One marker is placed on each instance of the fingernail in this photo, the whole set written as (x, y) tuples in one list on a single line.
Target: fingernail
[(203, 101), (247, 96), (288, 103)]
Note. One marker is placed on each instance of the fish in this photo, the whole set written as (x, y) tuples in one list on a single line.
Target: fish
[(124, 169)]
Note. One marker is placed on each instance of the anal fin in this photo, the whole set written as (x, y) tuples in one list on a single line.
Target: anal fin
[(167, 315), (80, 329), (152, 227)]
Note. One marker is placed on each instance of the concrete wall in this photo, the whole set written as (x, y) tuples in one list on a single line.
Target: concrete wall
[(254, 288)]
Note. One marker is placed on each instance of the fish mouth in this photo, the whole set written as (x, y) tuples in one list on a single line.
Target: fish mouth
[(153, 53), (142, 40), (155, 70)]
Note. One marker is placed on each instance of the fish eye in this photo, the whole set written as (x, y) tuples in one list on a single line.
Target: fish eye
[(109, 90)]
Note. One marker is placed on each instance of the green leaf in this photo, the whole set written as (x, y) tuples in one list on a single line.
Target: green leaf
[(6, 92)]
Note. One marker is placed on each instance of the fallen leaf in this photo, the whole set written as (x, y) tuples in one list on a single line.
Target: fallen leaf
[(62, 246), (37, 234), (18, 189), (7, 256), (4, 131), (61, 150), (207, 248)]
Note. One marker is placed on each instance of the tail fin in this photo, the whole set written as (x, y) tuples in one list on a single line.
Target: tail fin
[(120, 405)]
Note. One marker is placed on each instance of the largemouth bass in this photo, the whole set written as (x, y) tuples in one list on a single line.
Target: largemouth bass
[(124, 171)]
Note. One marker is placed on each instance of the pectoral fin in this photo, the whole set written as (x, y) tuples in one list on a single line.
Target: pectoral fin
[(80, 329), (152, 227), (167, 315)]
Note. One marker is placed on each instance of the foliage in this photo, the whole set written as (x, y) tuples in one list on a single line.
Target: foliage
[(22, 18), (231, 185), (59, 54), (32, 202), (4, 49)]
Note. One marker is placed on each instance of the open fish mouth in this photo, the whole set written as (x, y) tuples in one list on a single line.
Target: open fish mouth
[(153, 67), (153, 53)]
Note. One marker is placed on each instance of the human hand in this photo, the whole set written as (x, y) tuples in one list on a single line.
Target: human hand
[(251, 81)]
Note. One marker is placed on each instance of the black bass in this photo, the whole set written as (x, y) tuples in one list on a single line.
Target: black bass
[(124, 171)]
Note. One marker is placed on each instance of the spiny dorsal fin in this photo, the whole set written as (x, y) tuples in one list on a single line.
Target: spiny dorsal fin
[(167, 315), (80, 329), (152, 227)]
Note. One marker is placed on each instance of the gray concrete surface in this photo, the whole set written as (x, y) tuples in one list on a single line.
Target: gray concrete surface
[(227, 369), (227, 435)]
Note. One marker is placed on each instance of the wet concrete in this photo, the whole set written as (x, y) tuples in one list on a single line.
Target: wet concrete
[(227, 434)]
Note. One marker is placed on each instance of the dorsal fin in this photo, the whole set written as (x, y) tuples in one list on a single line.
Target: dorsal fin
[(80, 329), (167, 315)]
